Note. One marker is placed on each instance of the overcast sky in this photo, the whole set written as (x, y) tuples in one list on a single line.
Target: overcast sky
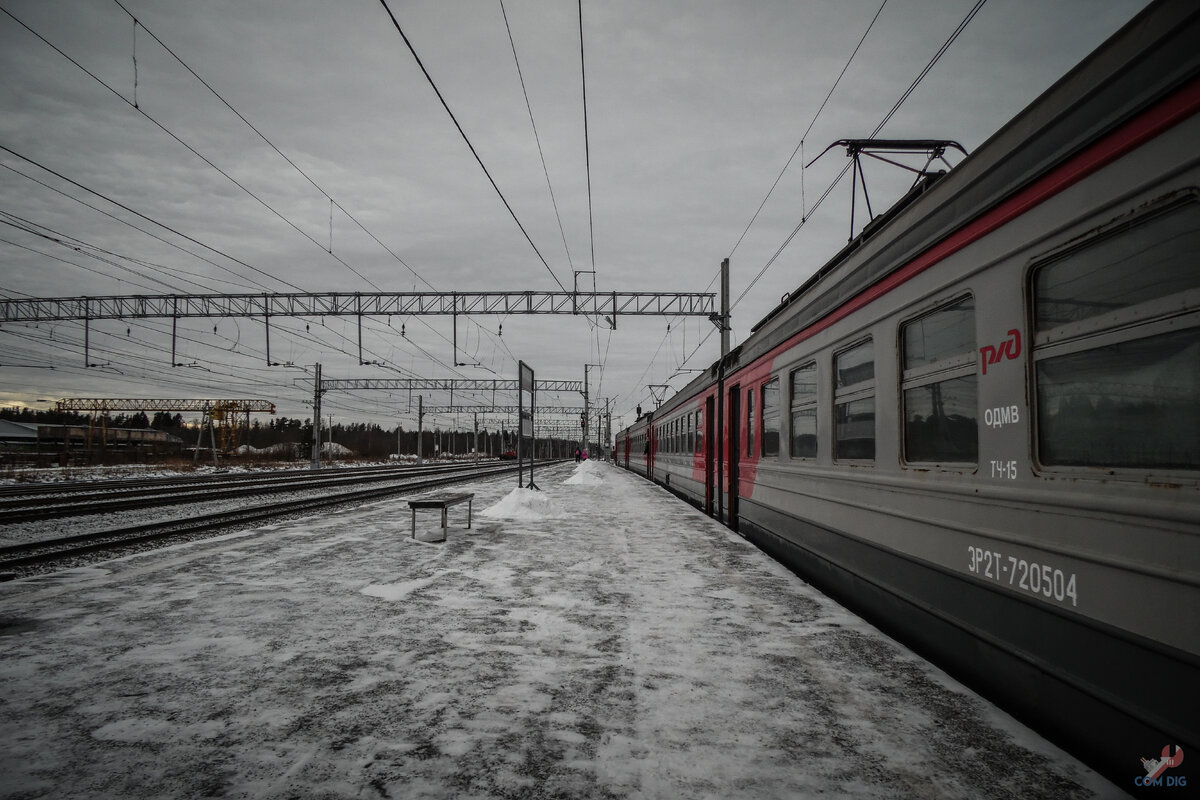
[(693, 108)]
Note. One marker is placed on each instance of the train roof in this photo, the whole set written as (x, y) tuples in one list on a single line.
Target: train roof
[(1151, 56)]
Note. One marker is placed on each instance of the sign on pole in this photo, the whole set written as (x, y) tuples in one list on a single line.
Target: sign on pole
[(525, 423)]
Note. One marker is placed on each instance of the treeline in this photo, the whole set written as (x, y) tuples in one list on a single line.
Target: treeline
[(366, 440)]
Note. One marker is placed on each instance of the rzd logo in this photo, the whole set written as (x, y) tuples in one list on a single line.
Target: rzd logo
[(1155, 767), (1010, 348)]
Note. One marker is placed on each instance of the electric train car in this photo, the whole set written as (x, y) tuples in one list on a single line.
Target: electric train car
[(979, 424)]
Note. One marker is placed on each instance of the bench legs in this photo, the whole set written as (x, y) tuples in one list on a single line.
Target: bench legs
[(445, 519)]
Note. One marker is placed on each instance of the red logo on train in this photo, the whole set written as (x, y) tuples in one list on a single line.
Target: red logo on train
[(1010, 348)]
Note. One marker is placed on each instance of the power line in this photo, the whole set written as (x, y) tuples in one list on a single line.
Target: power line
[(207, 161), (812, 122), (587, 150), (129, 224), (272, 145), (167, 131), (470, 146), (151, 220), (536, 138), (887, 117), (333, 202), (90, 250), (928, 67)]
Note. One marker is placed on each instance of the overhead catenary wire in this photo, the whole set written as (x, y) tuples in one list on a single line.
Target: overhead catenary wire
[(536, 138), (886, 118), (151, 234), (92, 251), (218, 169), (812, 122), (470, 146), (587, 150), (271, 144), (186, 145), (149, 219)]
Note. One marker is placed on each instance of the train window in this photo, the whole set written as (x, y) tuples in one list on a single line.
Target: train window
[(1142, 263), (940, 386), (770, 418), (699, 431), (691, 440), (749, 423), (854, 366), (1117, 348), (1130, 404), (854, 403), (804, 412), (942, 337)]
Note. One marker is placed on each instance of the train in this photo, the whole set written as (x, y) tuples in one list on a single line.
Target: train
[(978, 424)]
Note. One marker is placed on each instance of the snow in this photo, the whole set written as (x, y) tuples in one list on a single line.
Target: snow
[(524, 504), (593, 640), (588, 473), (333, 449)]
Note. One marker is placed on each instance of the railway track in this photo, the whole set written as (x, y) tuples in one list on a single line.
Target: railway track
[(83, 500), (31, 490), (18, 558)]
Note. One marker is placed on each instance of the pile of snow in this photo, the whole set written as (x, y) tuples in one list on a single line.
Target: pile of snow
[(335, 449), (525, 504), (588, 473), (284, 449)]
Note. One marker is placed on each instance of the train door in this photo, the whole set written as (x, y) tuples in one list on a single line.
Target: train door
[(710, 465), (733, 454), (652, 433)]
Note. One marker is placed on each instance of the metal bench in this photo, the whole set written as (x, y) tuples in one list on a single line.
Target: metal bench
[(443, 502)]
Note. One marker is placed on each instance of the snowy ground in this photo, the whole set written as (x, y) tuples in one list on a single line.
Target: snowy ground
[(596, 640)]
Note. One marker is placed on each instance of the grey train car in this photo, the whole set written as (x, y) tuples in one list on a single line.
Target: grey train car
[(979, 424)]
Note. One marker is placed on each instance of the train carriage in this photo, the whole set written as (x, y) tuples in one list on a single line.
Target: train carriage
[(979, 424)]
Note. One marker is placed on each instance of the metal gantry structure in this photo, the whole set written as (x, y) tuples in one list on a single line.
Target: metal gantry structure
[(322, 385), (103, 405), (606, 305), (444, 385), (226, 413), (508, 410), (356, 304)]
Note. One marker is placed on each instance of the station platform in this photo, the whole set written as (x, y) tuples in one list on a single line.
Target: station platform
[(596, 639)]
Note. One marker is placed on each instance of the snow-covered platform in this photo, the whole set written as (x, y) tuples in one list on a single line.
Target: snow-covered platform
[(598, 639)]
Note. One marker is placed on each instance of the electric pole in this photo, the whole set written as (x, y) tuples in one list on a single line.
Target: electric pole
[(318, 390)]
